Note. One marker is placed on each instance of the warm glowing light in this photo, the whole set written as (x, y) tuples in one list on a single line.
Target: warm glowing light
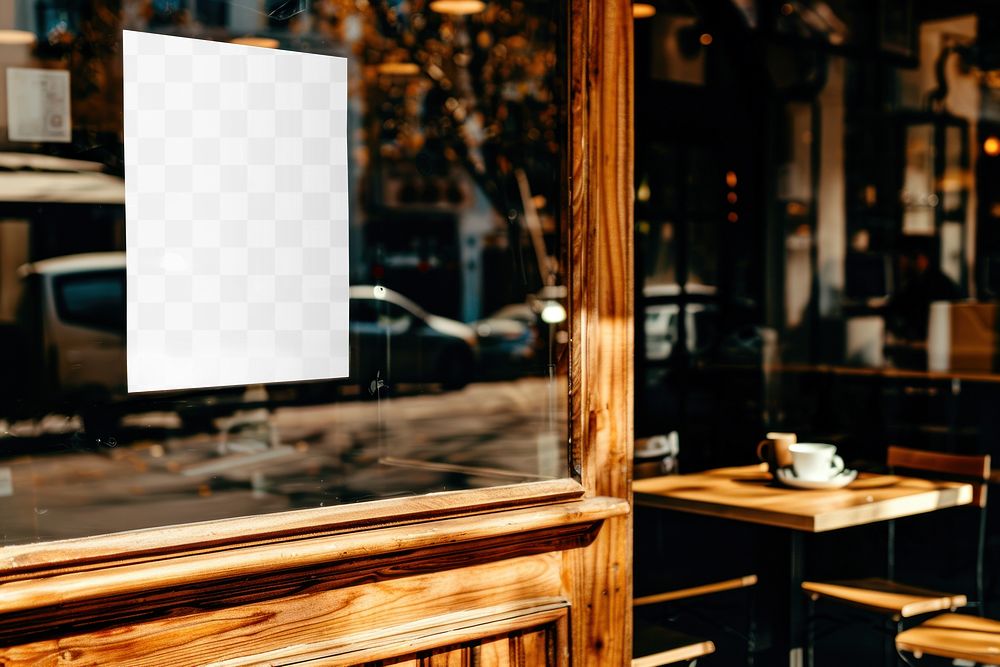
[(731, 179), (871, 195), (732, 217), (991, 146), (796, 209), (16, 37), (398, 69), (731, 198), (787, 9), (643, 10), (553, 313), (457, 7), (643, 193), (260, 42), (705, 39)]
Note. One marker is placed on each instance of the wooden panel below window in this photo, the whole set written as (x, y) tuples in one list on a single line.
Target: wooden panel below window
[(505, 601), (534, 647)]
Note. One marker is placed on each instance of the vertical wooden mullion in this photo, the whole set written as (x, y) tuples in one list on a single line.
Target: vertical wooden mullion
[(598, 578)]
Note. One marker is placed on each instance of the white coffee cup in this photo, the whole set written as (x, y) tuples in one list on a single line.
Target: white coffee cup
[(815, 461)]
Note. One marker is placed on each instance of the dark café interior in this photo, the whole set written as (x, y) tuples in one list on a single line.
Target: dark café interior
[(815, 273)]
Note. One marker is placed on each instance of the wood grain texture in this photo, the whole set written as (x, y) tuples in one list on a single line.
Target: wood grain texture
[(885, 597), (343, 626), (142, 578), (534, 648), (405, 661), (520, 648), (495, 651), (598, 578), (156, 543), (747, 494), (508, 632), (460, 656), (956, 636), (107, 613)]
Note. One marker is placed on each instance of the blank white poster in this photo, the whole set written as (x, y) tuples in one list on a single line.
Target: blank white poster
[(236, 214)]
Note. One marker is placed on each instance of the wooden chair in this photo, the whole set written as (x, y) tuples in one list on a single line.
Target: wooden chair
[(954, 636), (654, 644), (896, 601)]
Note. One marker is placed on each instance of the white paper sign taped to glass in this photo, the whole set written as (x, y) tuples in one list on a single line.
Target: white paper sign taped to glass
[(38, 105), (236, 214)]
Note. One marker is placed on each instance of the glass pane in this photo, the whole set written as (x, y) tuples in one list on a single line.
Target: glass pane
[(457, 300), (815, 212), (817, 202)]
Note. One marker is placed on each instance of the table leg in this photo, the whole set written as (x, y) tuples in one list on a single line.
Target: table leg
[(797, 620), (781, 560)]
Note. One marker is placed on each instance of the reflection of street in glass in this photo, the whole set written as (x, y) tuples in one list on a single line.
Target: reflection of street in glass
[(77, 305), (303, 456), (457, 310)]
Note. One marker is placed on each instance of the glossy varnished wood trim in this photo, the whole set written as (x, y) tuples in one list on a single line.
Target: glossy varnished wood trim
[(156, 543), (598, 578), (433, 633), (186, 571), (427, 609)]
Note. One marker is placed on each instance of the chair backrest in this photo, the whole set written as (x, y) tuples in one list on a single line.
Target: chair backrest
[(971, 468)]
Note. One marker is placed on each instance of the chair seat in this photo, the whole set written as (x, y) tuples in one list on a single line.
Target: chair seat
[(654, 645), (885, 596), (954, 636)]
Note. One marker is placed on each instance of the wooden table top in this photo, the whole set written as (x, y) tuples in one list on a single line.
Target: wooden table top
[(747, 493)]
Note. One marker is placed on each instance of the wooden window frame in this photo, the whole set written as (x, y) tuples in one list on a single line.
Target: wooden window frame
[(585, 517)]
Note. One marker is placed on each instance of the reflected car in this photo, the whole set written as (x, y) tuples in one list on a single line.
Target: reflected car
[(66, 350), (661, 320), (71, 319), (394, 340), (68, 341), (508, 341)]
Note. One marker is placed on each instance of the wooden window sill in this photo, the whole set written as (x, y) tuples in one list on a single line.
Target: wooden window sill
[(345, 557)]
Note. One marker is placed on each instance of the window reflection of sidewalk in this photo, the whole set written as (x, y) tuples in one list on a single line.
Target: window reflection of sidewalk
[(327, 454)]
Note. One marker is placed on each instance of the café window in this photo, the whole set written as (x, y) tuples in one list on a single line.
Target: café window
[(455, 271), (814, 190)]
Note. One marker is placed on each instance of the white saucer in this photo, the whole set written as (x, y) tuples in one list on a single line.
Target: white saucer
[(842, 479)]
